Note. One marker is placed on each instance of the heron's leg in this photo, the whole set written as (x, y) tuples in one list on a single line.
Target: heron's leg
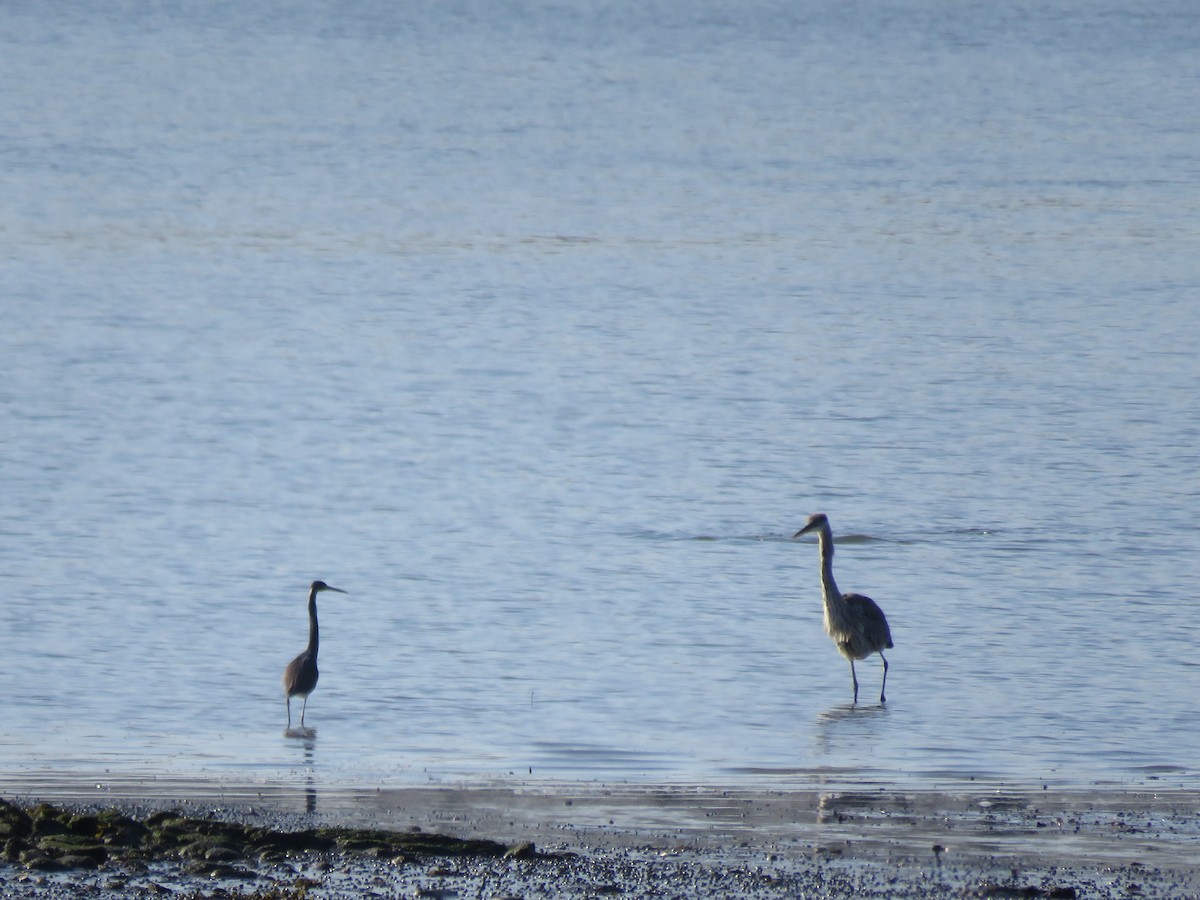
[(302, 709), (288, 700), (882, 698), (854, 678)]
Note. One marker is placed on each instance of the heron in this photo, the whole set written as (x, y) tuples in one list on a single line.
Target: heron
[(300, 676), (856, 623)]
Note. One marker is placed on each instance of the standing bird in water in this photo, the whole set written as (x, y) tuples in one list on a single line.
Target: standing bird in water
[(856, 623), (300, 676)]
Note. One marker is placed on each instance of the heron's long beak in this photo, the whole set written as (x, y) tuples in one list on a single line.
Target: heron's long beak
[(338, 590), (803, 531)]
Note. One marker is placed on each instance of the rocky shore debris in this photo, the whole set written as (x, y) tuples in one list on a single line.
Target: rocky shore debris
[(101, 853)]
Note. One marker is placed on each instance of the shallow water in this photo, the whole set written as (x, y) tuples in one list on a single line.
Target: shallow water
[(540, 331)]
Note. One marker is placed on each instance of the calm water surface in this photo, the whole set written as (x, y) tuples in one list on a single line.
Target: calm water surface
[(540, 329)]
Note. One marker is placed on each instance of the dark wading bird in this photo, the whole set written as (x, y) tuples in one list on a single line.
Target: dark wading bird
[(856, 623), (300, 676)]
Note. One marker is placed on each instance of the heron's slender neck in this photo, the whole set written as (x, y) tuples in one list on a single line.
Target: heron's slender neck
[(829, 587), (314, 634)]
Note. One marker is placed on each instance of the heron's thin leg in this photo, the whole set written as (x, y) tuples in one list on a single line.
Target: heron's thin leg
[(854, 678), (882, 698), (302, 709), (289, 709)]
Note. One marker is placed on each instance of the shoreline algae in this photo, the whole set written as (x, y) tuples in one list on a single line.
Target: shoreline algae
[(49, 838)]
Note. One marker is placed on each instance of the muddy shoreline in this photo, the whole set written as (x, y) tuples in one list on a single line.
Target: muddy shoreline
[(588, 840)]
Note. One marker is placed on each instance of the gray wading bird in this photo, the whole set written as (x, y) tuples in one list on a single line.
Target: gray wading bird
[(856, 623), (300, 676)]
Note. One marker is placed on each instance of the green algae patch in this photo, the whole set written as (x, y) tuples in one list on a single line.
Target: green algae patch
[(47, 837)]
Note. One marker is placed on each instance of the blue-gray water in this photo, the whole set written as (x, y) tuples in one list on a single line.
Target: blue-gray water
[(540, 328)]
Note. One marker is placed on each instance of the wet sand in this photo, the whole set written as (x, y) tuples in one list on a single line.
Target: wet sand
[(590, 840)]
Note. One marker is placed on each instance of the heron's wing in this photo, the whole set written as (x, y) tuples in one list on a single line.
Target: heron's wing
[(300, 671), (875, 624)]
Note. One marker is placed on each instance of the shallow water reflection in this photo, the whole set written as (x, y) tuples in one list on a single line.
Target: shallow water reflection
[(307, 738), (849, 732), (846, 711)]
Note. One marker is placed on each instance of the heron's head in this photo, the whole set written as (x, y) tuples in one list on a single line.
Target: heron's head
[(318, 586), (816, 522)]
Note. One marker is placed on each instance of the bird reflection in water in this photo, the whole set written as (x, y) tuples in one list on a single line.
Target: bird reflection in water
[(846, 725), (307, 739), (847, 711)]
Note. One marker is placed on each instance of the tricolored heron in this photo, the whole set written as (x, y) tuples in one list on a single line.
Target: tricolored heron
[(300, 676)]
